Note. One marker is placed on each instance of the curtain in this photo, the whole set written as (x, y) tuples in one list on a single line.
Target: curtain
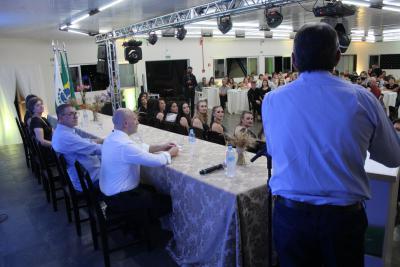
[(30, 81), (8, 128)]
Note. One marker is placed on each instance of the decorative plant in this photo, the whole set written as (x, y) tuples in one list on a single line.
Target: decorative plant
[(82, 89), (241, 141)]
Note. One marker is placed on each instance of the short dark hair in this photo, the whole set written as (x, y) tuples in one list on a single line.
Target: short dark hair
[(396, 121), (32, 102), (315, 47), (190, 67), (60, 109)]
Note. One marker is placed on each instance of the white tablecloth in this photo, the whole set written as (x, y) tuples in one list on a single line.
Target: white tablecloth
[(237, 100), (389, 98), (212, 96), (216, 220)]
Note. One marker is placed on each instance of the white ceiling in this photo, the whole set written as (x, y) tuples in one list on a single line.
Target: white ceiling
[(40, 19)]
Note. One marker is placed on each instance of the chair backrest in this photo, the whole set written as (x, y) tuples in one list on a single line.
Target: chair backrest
[(216, 138), (21, 132), (62, 170), (89, 191), (199, 133)]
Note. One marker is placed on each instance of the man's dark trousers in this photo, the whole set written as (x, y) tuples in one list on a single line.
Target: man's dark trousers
[(322, 236)]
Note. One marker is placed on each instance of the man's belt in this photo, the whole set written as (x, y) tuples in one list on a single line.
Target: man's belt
[(310, 207)]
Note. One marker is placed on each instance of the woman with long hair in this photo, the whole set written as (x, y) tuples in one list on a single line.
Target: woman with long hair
[(246, 122), (200, 118), (211, 82), (39, 125), (172, 112), (161, 110), (184, 118), (217, 116)]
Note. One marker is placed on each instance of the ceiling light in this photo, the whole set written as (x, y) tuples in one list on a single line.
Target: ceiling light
[(391, 31), (79, 19), (152, 39), (63, 27), (78, 32), (274, 18), (224, 24), (181, 33), (356, 3), (391, 3), (133, 52), (396, 9), (109, 5)]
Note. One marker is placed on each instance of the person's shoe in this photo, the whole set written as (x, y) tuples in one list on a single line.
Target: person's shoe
[(3, 217)]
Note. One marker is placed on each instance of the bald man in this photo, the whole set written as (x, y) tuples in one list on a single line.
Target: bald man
[(120, 168)]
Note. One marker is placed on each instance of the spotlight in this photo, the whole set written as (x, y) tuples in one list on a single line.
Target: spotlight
[(344, 38), (133, 52), (181, 33), (340, 28), (224, 24), (152, 38), (274, 18)]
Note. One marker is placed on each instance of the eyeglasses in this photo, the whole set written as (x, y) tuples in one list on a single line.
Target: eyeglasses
[(73, 113)]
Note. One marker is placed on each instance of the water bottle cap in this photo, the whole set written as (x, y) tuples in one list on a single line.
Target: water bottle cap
[(230, 146)]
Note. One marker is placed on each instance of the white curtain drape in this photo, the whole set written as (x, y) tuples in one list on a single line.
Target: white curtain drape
[(28, 79), (8, 128)]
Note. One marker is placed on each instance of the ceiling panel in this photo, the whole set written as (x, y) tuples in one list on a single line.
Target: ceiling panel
[(40, 19)]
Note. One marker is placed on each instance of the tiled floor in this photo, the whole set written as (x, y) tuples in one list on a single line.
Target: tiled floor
[(34, 235)]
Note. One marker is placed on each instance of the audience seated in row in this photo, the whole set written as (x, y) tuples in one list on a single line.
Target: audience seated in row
[(38, 125)]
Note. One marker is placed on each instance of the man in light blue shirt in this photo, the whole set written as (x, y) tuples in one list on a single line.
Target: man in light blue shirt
[(74, 147), (318, 131)]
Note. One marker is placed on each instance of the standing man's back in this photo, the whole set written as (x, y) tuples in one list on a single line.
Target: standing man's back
[(318, 130)]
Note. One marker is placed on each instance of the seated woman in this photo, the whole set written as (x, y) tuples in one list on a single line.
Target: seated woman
[(217, 116), (39, 126), (160, 112), (28, 115), (139, 101), (143, 110), (246, 122), (184, 118), (211, 82), (264, 89), (200, 118), (172, 112)]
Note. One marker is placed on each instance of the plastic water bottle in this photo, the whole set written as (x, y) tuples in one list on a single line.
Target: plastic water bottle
[(192, 137), (192, 141), (85, 118), (230, 162)]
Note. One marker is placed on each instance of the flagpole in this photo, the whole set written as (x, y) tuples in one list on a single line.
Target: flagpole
[(72, 89)]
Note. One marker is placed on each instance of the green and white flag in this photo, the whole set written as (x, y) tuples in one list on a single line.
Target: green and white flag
[(60, 95)]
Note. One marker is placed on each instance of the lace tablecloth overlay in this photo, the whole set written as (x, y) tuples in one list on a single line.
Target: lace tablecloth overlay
[(216, 220)]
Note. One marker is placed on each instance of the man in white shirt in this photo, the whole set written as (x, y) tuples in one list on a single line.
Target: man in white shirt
[(74, 147), (120, 168)]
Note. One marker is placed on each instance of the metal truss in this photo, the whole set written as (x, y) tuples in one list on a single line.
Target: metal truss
[(113, 74), (207, 11)]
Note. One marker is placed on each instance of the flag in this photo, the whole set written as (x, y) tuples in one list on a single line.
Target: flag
[(60, 96), (65, 77), (71, 84)]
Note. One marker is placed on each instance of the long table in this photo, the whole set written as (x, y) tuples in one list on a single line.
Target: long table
[(216, 220), (220, 221)]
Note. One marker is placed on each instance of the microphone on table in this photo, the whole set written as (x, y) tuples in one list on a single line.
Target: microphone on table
[(211, 169)]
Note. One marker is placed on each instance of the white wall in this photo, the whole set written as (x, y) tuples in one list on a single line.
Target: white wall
[(30, 52)]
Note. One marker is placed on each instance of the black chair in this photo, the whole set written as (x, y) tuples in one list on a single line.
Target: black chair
[(199, 133), (107, 222), (51, 176), (24, 142), (78, 201), (179, 129), (34, 157), (168, 126), (216, 138)]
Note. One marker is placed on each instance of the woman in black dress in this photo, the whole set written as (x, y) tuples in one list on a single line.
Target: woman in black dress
[(39, 126)]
